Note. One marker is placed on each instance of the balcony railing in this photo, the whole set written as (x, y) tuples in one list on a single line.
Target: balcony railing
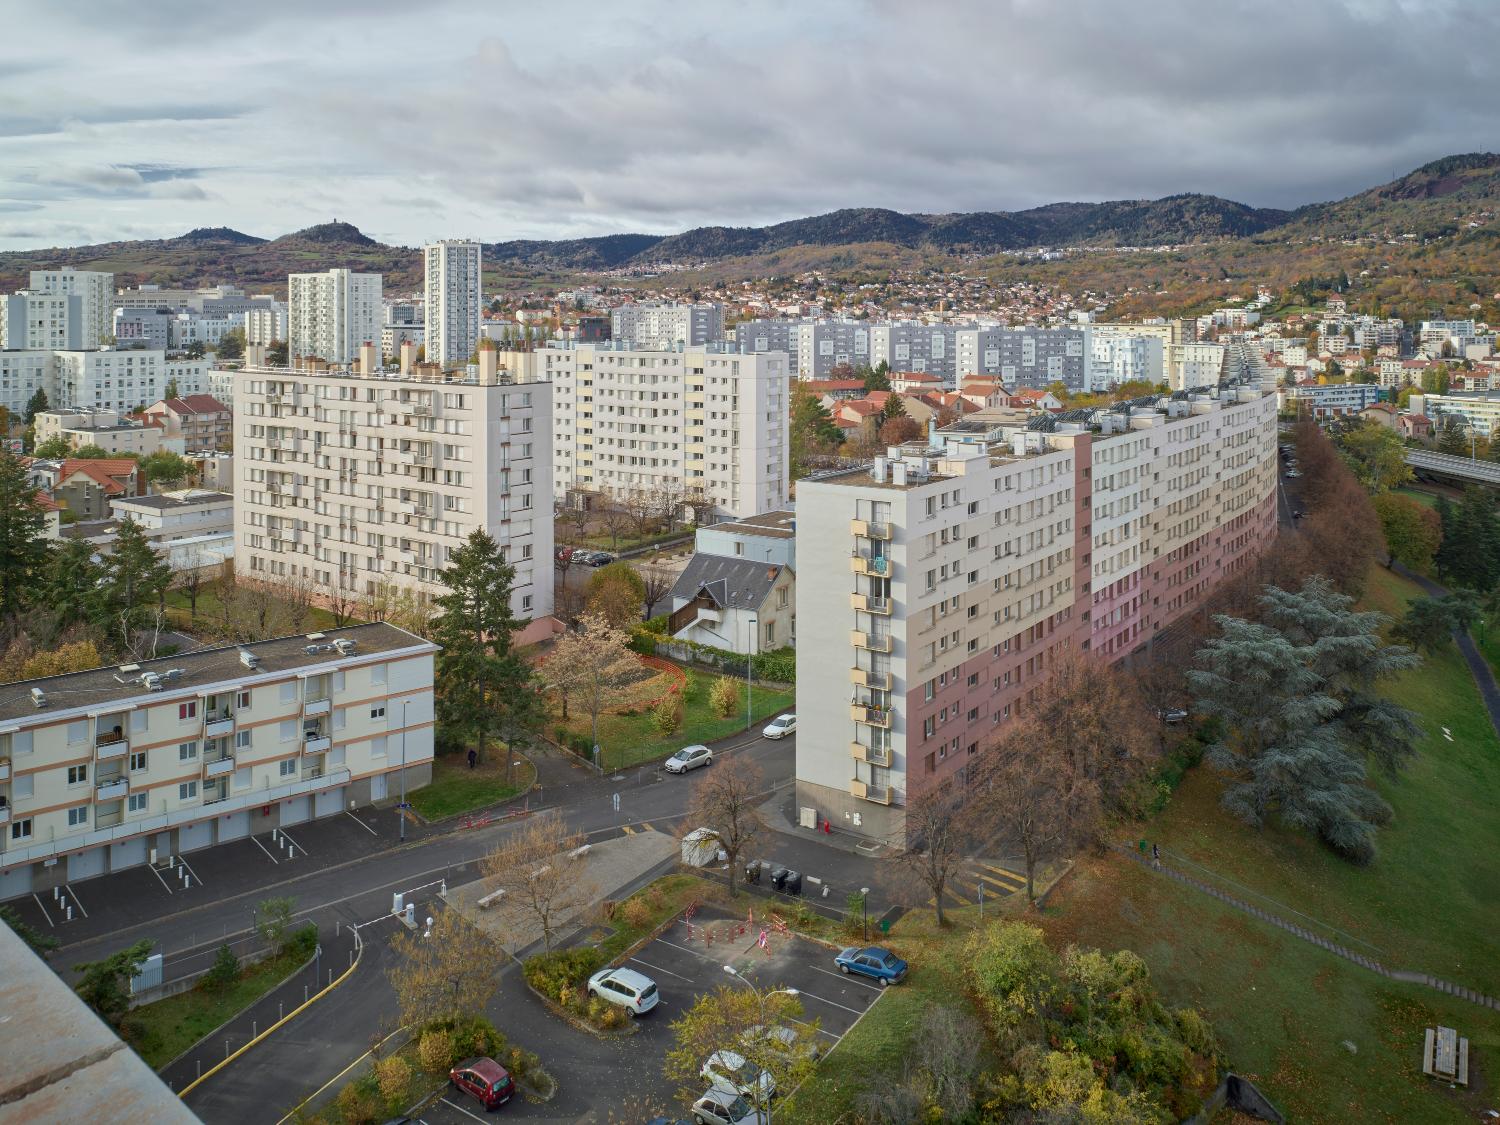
[(111, 787), (873, 716), (870, 529), (876, 565), (217, 724), (319, 706), (865, 677), (218, 767), (874, 755), (4, 814), (112, 749), (878, 794), (316, 743), (4, 769), (870, 642), (868, 603)]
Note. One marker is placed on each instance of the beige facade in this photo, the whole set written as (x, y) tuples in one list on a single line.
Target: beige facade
[(105, 429), (366, 480), (101, 769)]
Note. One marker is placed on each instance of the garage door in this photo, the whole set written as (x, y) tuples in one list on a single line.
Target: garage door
[(194, 836), (329, 802), (127, 853), (377, 787), (294, 810), (16, 882), (235, 826), (85, 865)]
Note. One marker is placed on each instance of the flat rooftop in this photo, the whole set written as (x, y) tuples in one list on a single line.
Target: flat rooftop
[(100, 687), (776, 525), (167, 503)]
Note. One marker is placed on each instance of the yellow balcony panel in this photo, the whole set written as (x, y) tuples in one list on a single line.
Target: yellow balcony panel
[(871, 716), (874, 755), (870, 642), (877, 794), (870, 529), (877, 566), (869, 603), (863, 677)]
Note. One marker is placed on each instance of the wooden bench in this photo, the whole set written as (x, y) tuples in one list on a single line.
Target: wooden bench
[(1445, 1055)]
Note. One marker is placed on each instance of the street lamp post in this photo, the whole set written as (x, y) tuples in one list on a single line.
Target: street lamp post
[(864, 913), (401, 805), (750, 648), (761, 999)]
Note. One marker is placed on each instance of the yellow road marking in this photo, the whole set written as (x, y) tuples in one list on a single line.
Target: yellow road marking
[(629, 831), (646, 826)]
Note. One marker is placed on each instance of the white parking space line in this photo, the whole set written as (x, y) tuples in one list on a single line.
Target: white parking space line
[(830, 1003), (265, 849), (47, 916), (847, 978), (463, 1111), (820, 1030), (159, 879), (295, 847), (694, 952), (76, 901), (659, 969), (190, 870), (361, 823)]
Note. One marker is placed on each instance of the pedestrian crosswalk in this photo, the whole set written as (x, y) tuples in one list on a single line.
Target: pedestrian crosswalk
[(963, 888)]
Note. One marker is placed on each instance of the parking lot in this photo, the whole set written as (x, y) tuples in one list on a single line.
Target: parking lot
[(685, 961)]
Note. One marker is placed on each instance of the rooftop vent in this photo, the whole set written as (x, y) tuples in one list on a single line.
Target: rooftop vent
[(314, 650), (315, 636), (38, 697), (130, 667), (345, 646), (249, 659), (151, 681)]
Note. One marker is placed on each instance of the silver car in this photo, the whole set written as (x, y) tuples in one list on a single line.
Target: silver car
[(689, 758)]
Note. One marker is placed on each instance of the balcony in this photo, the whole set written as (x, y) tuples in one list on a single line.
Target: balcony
[(111, 788), (870, 529), (216, 724), (313, 743), (213, 795), (317, 706), (868, 603), (877, 566), (112, 748), (871, 716), (311, 772), (870, 642), (865, 677), (427, 460), (108, 819), (874, 755), (876, 794), (4, 769), (218, 767)]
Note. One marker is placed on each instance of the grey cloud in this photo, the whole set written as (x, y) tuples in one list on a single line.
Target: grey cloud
[(37, 124)]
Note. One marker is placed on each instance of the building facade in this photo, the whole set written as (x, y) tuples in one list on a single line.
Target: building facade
[(29, 321), (330, 315), (1027, 357), (265, 324), (655, 327), (709, 427), (365, 481), (107, 430), (22, 374), (452, 290), (1479, 410), (936, 584), (117, 767), (95, 291)]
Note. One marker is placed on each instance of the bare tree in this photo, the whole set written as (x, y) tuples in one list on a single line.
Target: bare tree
[(615, 518), (590, 664), (640, 506), (443, 973), (727, 802), (538, 875), (191, 581), (1029, 805), (578, 516), (343, 603), (937, 835), (657, 584)]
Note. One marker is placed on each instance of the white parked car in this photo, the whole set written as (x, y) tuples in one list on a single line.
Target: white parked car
[(689, 758), (721, 1107), (780, 726), (633, 991), (733, 1073), (781, 1039)]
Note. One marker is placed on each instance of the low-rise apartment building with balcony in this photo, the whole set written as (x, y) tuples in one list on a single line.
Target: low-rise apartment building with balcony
[(364, 480), (937, 584), (116, 767)]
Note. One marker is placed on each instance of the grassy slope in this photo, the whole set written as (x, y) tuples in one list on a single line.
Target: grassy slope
[(1282, 1006), (455, 788)]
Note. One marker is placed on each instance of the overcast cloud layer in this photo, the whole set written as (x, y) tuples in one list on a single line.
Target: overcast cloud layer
[(419, 120)]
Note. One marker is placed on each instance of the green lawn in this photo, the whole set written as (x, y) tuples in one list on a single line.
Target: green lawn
[(1282, 1006), (161, 1031), (455, 788), (209, 609), (629, 740), (1428, 498)]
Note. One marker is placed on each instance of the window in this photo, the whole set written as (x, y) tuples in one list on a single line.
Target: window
[(288, 767), (241, 700), (289, 691), (242, 739), (78, 817), (187, 790), (77, 775), (377, 712), (136, 802), (377, 673), (288, 730), (137, 761), (21, 830), (188, 710), (77, 732), (187, 751)]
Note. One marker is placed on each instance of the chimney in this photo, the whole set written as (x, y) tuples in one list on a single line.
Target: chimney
[(369, 359), (255, 355), (488, 364), (408, 356)]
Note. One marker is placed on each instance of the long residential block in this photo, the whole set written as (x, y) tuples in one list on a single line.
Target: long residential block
[(935, 585), (110, 768)]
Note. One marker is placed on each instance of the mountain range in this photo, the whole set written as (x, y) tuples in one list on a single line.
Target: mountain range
[(1440, 197)]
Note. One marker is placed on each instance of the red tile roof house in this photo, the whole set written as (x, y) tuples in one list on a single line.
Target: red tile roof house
[(1414, 425), (835, 388), (909, 382), (202, 421), (1031, 398), (86, 486)]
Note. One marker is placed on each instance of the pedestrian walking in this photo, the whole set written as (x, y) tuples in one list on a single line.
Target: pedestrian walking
[(1155, 857), (473, 757)]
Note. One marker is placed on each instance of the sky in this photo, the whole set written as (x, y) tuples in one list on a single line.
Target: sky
[(492, 120)]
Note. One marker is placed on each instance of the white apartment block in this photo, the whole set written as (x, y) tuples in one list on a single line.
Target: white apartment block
[(266, 324), (1481, 410), (452, 301), (366, 480), (111, 380), (1125, 359), (30, 321), (707, 423), (96, 294), (656, 327), (1191, 366), (331, 315), (1027, 357), (935, 585), (113, 768), (22, 374)]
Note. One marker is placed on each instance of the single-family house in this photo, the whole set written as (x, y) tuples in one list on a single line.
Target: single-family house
[(739, 604)]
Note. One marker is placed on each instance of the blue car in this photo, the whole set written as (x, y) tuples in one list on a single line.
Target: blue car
[(872, 961)]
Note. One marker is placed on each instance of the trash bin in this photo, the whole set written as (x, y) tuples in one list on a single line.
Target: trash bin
[(778, 878), (752, 871), (793, 883)]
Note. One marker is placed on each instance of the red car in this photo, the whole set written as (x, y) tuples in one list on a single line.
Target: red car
[(486, 1079)]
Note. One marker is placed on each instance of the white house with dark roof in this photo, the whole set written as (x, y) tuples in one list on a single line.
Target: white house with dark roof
[(739, 604)]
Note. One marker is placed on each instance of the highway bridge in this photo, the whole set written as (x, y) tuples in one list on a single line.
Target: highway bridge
[(1444, 468)]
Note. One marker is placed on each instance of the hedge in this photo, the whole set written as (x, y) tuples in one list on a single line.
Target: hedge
[(778, 666)]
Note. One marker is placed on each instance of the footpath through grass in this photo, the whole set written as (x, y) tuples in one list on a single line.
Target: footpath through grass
[(162, 1030), (455, 788), (1284, 1008)]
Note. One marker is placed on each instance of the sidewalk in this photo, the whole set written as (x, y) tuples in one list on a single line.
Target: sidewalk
[(336, 956)]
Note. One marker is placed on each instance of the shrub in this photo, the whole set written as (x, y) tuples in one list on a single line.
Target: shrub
[(224, 971), (435, 1051), (724, 696), (551, 973), (636, 914), (393, 1075), (666, 716), (357, 1102)]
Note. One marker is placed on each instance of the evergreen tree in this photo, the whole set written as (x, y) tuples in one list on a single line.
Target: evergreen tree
[(35, 404), (485, 685), (1301, 715), (812, 430), (1469, 555), (878, 378), (135, 586), (1452, 440), (172, 390), (23, 550), (71, 585)]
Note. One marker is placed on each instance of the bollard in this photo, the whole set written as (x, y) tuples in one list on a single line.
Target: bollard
[(187, 882), (330, 976), (281, 1011), (338, 924), (226, 1047), (304, 994), (351, 958), (254, 1028), (69, 909), (200, 1068), (56, 892)]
